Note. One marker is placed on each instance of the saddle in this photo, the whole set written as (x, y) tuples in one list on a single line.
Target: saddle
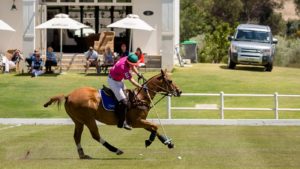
[(109, 100)]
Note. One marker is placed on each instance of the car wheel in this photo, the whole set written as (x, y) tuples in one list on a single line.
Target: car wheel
[(231, 64), (269, 67)]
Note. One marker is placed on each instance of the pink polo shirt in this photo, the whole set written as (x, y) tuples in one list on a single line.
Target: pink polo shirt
[(120, 70)]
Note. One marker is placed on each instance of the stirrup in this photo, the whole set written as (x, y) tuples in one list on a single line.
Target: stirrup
[(126, 126)]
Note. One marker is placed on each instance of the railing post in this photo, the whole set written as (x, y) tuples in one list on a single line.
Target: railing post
[(222, 105), (276, 106), (169, 107)]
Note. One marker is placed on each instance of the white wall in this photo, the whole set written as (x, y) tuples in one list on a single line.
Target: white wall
[(149, 42), (11, 40), (162, 41), (29, 18), (176, 24), (23, 21)]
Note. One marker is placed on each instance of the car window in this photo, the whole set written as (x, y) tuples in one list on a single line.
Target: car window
[(251, 35)]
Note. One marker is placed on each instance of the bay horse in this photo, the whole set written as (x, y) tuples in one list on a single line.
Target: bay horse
[(84, 107)]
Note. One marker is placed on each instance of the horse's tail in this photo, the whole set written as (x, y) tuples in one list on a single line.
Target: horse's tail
[(56, 99)]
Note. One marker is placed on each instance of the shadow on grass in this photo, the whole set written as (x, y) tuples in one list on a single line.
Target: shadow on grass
[(43, 75), (94, 74), (103, 159), (245, 68)]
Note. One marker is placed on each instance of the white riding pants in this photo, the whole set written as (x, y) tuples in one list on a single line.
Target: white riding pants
[(118, 87)]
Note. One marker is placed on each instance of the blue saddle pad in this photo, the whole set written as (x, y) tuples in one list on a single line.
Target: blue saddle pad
[(109, 102)]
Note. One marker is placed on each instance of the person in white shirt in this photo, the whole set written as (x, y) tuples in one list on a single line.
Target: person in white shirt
[(11, 62), (91, 59)]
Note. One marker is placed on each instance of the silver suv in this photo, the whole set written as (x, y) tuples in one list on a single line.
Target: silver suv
[(252, 45)]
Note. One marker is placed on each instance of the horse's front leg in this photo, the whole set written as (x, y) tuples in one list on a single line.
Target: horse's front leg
[(142, 123), (165, 140), (162, 138), (152, 128)]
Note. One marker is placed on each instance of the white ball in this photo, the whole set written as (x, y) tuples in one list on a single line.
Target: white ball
[(179, 157)]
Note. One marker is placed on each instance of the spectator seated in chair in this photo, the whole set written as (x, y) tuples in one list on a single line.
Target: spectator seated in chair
[(50, 60), (91, 59), (108, 60), (141, 57), (37, 65), (30, 58), (12, 61)]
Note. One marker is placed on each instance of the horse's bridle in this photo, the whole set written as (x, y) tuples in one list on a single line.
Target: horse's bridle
[(167, 90)]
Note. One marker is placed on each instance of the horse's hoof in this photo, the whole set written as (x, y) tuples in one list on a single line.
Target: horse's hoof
[(171, 145), (119, 152), (147, 143), (85, 157)]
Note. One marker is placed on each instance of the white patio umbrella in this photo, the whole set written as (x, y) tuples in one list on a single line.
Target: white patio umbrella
[(61, 21), (85, 32), (4, 26), (132, 21)]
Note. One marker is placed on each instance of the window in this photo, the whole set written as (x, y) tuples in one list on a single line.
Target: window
[(49, 0), (86, 0), (167, 16), (105, 0), (124, 1), (67, 0), (251, 35)]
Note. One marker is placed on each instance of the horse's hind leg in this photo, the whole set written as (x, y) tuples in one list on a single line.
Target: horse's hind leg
[(77, 137), (95, 134)]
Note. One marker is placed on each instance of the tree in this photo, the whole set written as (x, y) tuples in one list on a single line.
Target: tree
[(193, 18), (259, 10), (216, 43), (277, 24), (297, 2), (227, 11)]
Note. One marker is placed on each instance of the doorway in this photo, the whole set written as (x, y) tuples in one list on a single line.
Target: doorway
[(97, 17)]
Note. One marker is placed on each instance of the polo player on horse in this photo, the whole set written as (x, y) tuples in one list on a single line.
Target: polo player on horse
[(123, 70)]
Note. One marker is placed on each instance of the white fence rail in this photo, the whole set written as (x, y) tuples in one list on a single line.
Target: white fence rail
[(222, 107)]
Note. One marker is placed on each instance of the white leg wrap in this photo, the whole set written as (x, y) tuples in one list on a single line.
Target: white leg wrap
[(102, 141), (79, 146)]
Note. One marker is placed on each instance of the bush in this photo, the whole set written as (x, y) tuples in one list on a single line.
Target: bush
[(216, 44), (287, 52), (200, 39), (293, 28)]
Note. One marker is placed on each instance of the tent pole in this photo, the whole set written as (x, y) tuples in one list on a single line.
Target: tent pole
[(60, 51), (130, 41)]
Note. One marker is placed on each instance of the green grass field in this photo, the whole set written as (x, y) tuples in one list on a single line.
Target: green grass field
[(205, 147), (22, 96)]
